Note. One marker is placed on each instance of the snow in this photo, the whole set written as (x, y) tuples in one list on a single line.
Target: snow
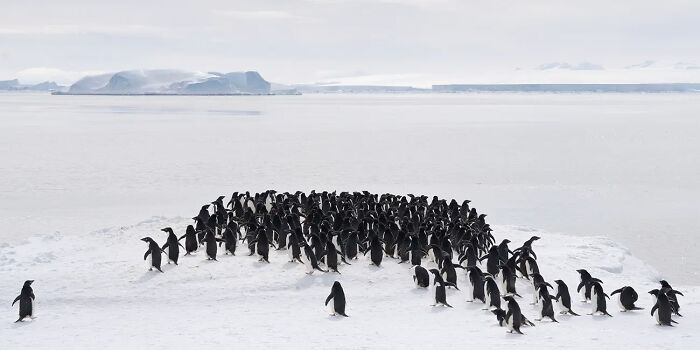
[(95, 291), (83, 175)]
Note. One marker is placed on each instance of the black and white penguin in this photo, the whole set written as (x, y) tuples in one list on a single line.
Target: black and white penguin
[(26, 301), (547, 309), (449, 274), (538, 282), (440, 295), (172, 245), (351, 246), (375, 251), (331, 256), (230, 238), (672, 298), (584, 287), (563, 298), (628, 296), (262, 245), (337, 297), (154, 252), (598, 302), (308, 258), (190, 237), (662, 309), (501, 317), (508, 281), (513, 317), (293, 248), (492, 261), (210, 245), (421, 276), (492, 293), (475, 288)]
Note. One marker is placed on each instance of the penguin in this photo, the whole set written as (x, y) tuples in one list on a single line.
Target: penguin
[(492, 261), (26, 301), (172, 244), (672, 298), (627, 298), (449, 274), (375, 251), (190, 237), (547, 310), (538, 282), (331, 257), (154, 251), (508, 281), (599, 305), (351, 246), (563, 298), (262, 245), (492, 293), (501, 317), (210, 245), (513, 317), (584, 287), (309, 259), (338, 297), (475, 288), (440, 295), (293, 248), (662, 309), (230, 240), (421, 276)]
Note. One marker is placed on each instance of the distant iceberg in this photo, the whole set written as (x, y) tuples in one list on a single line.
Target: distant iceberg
[(15, 85), (172, 82)]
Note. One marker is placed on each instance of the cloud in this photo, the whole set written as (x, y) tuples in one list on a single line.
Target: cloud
[(69, 29), (262, 15), (564, 65)]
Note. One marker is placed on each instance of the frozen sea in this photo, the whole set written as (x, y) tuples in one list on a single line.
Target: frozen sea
[(623, 166)]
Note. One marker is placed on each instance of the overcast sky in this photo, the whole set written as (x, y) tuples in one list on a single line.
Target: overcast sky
[(415, 42)]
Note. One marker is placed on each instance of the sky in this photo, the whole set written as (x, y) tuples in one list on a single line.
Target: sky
[(391, 42)]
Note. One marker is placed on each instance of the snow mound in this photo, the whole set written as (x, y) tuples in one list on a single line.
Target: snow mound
[(95, 291)]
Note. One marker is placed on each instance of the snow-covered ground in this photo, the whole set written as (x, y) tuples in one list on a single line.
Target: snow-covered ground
[(95, 291), (77, 172)]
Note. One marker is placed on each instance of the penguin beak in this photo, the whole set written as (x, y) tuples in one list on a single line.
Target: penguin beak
[(144, 239)]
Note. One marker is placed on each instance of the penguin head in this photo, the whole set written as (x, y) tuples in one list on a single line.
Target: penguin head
[(559, 282), (534, 238), (28, 283), (508, 298), (147, 239), (505, 241), (665, 284), (654, 292), (435, 272), (167, 229)]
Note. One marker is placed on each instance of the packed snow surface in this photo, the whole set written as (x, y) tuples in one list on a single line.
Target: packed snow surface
[(95, 291)]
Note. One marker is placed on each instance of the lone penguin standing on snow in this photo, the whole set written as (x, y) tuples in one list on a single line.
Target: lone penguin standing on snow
[(337, 296), (26, 301)]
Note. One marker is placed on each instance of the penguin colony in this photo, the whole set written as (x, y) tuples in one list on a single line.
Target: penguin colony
[(327, 230)]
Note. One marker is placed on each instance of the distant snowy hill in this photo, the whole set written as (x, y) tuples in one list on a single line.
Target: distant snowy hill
[(164, 81), (15, 85)]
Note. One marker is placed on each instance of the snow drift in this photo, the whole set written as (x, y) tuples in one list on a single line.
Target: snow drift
[(95, 291)]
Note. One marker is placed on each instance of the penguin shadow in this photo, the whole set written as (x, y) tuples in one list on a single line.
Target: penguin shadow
[(420, 291), (335, 318), (438, 308), (21, 324), (309, 280), (147, 276)]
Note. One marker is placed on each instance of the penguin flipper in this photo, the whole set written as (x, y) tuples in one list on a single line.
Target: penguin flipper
[(616, 291), (146, 255), (330, 296), (580, 285), (656, 306), (16, 299)]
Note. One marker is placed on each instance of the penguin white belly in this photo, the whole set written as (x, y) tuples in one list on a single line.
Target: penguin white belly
[(656, 316), (583, 293), (509, 324), (619, 302), (331, 306), (33, 313), (470, 292), (594, 304)]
